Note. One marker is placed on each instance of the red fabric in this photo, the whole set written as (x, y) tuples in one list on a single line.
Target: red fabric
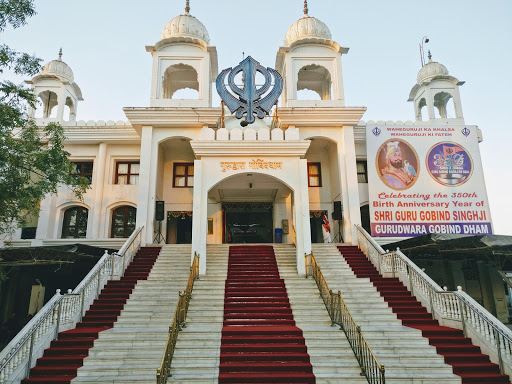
[(260, 342), (61, 361), (466, 359)]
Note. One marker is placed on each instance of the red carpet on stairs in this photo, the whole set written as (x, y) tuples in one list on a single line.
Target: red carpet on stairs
[(466, 359), (260, 342), (61, 361)]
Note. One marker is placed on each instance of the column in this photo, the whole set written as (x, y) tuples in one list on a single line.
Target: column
[(99, 185), (430, 104), (302, 208), (145, 210), (349, 184), (46, 222), (199, 217)]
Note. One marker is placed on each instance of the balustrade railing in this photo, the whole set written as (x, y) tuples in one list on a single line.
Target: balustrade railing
[(62, 313), (340, 315), (180, 317), (456, 309)]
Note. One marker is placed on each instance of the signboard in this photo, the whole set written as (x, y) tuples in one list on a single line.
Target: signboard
[(426, 179)]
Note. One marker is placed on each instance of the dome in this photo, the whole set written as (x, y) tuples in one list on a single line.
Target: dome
[(307, 27), (431, 70), (186, 26), (58, 68)]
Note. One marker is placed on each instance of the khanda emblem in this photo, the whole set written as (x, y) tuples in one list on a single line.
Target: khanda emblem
[(249, 100)]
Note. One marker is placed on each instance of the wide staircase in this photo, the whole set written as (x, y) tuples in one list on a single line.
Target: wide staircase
[(260, 341), (458, 351), (252, 319), (197, 354), (131, 351), (329, 350), (406, 354), (66, 355)]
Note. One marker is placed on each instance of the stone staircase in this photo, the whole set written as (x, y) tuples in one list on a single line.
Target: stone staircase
[(197, 355), (132, 350), (330, 353), (406, 355)]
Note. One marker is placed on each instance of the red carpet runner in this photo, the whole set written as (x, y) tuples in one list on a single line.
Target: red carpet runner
[(61, 361), (466, 359), (260, 342)]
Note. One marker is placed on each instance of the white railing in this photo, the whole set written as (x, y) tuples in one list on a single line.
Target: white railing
[(62, 313), (453, 309)]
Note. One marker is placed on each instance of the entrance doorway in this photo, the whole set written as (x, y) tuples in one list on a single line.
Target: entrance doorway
[(179, 227), (316, 222), (247, 223)]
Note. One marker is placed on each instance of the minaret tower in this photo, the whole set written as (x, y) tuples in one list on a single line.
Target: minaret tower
[(311, 60), (56, 91), (184, 64), (434, 91)]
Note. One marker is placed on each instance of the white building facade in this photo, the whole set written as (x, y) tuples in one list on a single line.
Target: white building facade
[(271, 181)]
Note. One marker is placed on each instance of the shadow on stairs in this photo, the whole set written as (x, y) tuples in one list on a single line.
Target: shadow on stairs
[(66, 354), (458, 351)]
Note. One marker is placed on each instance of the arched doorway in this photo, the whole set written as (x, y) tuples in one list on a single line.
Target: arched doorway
[(250, 208)]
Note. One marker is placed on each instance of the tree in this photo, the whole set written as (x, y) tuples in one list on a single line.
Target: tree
[(33, 161)]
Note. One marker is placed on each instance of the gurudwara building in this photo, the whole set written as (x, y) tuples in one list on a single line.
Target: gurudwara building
[(247, 202)]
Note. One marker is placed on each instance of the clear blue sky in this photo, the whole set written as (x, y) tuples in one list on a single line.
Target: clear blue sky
[(104, 43)]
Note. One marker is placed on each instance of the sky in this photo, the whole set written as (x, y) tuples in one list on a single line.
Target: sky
[(104, 44)]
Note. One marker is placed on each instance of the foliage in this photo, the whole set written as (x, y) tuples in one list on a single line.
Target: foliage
[(33, 161)]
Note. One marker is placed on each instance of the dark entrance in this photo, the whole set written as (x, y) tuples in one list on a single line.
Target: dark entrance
[(248, 222), (179, 227), (316, 222)]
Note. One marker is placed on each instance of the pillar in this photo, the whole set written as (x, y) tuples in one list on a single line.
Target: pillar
[(349, 184), (199, 217), (99, 186), (302, 225), (147, 184), (46, 222)]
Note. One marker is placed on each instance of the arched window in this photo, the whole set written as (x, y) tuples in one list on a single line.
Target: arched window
[(422, 110), (74, 225), (314, 78), (444, 108), (48, 100), (123, 221), (182, 78), (69, 110)]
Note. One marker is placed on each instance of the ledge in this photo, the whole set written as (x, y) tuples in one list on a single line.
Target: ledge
[(320, 116), (250, 148), (172, 117)]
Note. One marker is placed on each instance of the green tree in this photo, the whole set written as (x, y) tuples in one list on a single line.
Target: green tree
[(33, 161)]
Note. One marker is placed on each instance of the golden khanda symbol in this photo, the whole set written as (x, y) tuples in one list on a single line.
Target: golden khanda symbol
[(251, 100)]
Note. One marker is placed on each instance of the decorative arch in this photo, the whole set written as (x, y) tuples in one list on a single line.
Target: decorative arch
[(69, 110), (227, 177), (49, 100), (444, 103), (179, 82), (123, 221), (74, 222), (422, 104), (314, 82)]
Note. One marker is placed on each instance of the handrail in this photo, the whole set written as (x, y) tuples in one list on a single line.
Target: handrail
[(340, 315), (451, 308), (24, 341), (475, 316), (62, 312), (180, 317)]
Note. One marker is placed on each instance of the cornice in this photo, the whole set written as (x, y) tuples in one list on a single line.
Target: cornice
[(91, 135), (320, 116), (250, 148), (172, 117)]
